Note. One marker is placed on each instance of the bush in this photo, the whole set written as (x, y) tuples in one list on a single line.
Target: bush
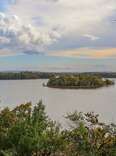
[(27, 131)]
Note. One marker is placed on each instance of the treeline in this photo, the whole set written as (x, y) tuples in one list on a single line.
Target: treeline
[(24, 75), (28, 131), (80, 81), (47, 75)]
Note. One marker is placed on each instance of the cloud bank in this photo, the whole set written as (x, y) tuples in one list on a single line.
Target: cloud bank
[(87, 53), (73, 24), (23, 38), (80, 23), (78, 16)]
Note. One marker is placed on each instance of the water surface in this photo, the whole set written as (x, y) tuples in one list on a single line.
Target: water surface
[(58, 101)]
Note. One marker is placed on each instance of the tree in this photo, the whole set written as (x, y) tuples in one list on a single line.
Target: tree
[(28, 131), (90, 137)]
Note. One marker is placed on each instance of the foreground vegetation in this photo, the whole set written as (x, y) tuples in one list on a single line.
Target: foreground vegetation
[(27, 131), (80, 81)]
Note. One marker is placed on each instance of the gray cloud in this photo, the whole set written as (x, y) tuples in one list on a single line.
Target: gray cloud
[(80, 24), (22, 37), (72, 18), (52, 0)]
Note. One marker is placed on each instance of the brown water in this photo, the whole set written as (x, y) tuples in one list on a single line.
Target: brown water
[(58, 101)]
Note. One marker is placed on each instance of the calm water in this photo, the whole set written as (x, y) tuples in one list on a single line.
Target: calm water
[(58, 102)]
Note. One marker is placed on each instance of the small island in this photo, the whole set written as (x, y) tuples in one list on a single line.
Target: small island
[(78, 82)]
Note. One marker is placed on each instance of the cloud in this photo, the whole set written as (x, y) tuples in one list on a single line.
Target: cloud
[(78, 22), (4, 40), (80, 17), (87, 53), (5, 52), (24, 38), (91, 37)]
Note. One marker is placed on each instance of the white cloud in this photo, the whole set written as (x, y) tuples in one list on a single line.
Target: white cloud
[(70, 19), (21, 37), (91, 37), (4, 40), (70, 16)]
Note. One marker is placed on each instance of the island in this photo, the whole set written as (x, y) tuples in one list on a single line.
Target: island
[(78, 82)]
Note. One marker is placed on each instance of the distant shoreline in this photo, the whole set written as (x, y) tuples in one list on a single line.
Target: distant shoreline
[(31, 75)]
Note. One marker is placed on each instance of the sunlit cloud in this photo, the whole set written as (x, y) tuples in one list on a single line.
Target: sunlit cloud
[(86, 53), (31, 27), (23, 38), (80, 17), (5, 52), (73, 20)]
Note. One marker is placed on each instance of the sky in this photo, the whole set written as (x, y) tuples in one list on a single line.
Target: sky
[(58, 35)]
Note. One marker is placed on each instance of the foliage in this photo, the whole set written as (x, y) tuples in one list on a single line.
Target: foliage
[(16, 75), (24, 75), (89, 137), (80, 81), (27, 131)]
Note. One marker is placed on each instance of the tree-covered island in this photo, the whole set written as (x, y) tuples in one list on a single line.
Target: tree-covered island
[(78, 82)]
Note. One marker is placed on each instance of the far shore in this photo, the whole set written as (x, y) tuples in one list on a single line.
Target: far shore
[(32, 75)]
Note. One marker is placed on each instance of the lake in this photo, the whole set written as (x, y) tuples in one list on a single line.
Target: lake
[(58, 101)]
